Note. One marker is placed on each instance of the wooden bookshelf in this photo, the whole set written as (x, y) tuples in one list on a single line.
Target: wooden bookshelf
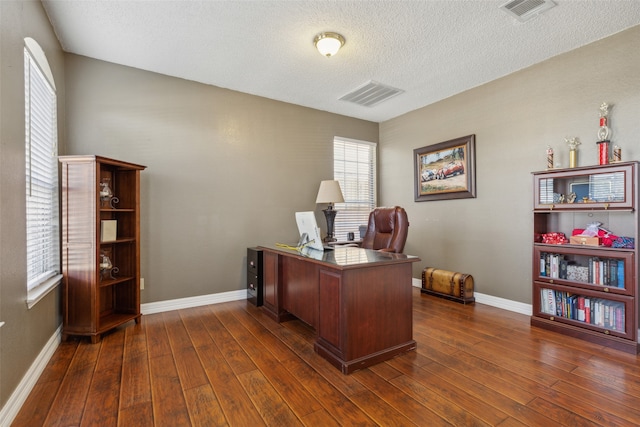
[(101, 278), (587, 291)]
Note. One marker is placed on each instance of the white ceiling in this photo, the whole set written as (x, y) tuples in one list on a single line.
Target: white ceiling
[(430, 49)]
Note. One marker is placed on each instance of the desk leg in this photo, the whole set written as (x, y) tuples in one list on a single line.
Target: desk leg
[(272, 286)]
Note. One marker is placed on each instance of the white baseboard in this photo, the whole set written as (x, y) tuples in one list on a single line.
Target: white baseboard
[(20, 394), (505, 304), (177, 304)]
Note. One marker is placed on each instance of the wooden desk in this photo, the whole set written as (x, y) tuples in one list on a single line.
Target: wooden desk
[(359, 301)]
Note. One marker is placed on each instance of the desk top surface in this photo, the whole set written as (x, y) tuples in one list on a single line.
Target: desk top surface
[(344, 257)]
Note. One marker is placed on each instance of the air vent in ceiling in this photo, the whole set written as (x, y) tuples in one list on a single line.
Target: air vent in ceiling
[(523, 10), (371, 93)]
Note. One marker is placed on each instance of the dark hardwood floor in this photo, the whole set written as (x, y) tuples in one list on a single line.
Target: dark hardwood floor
[(229, 364)]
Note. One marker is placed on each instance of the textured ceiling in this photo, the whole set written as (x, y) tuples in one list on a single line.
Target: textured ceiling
[(430, 49)]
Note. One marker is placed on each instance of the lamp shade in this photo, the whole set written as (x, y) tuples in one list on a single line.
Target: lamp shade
[(330, 192)]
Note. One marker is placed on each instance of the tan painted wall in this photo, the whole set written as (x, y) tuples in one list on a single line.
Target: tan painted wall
[(514, 119), (226, 170), (25, 331)]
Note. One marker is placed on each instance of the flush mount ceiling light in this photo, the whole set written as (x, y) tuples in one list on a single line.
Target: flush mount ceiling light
[(328, 44)]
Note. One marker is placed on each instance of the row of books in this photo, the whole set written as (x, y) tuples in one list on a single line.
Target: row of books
[(605, 272), (595, 311)]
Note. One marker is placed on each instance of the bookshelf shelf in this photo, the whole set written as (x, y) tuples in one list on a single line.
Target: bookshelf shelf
[(119, 240), (101, 244), (588, 292), (112, 282)]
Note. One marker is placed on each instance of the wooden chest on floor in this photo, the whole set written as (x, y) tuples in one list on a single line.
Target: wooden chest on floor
[(448, 284)]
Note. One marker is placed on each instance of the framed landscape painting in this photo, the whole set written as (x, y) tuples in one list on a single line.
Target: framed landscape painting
[(445, 170)]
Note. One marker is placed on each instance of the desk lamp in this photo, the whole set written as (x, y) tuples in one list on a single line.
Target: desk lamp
[(329, 192)]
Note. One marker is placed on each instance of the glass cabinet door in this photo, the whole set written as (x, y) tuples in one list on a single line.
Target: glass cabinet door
[(606, 187), (601, 270), (607, 314)]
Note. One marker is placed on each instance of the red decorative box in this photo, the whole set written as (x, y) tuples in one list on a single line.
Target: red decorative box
[(554, 238)]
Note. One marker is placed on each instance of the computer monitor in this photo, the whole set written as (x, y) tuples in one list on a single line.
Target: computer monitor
[(308, 230)]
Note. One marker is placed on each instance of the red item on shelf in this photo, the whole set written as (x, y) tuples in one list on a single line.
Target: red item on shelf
[(555, 238)]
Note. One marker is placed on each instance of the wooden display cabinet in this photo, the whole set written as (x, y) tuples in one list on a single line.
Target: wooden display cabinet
[(589, 292), (100, 244)]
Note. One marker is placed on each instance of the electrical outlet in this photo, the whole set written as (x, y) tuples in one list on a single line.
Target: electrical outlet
[(141, 283)]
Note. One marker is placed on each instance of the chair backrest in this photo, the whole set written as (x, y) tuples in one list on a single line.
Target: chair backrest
[(387, 230)]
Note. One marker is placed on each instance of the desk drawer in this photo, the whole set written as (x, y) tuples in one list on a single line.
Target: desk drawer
[(254, 276)]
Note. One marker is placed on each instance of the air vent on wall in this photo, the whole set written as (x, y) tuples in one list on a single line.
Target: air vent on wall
[(371, 93), (523, 10)]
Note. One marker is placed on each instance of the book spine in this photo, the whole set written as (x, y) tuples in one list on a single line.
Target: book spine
[(558, 300), (580, 312), (621, 274), (551, 301), (544, 299), (547, 264), (563, 268), (613, 272), (587, 310), (619, 323), (600, 272)]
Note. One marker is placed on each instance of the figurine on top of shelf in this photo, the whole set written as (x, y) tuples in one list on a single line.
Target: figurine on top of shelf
[(603, 135), (573, 150), (617, 154), (549, 157)]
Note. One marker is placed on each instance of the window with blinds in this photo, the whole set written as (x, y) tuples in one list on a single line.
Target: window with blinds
[(354, 167), (41, 153)]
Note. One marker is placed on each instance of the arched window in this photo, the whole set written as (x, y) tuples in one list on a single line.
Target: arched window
[(41, 155)]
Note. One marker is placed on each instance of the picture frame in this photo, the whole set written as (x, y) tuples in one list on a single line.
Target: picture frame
[(445, 170), (581, 190)]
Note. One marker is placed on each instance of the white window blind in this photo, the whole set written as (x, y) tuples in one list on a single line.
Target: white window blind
[(354, 167), (41, 153)]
